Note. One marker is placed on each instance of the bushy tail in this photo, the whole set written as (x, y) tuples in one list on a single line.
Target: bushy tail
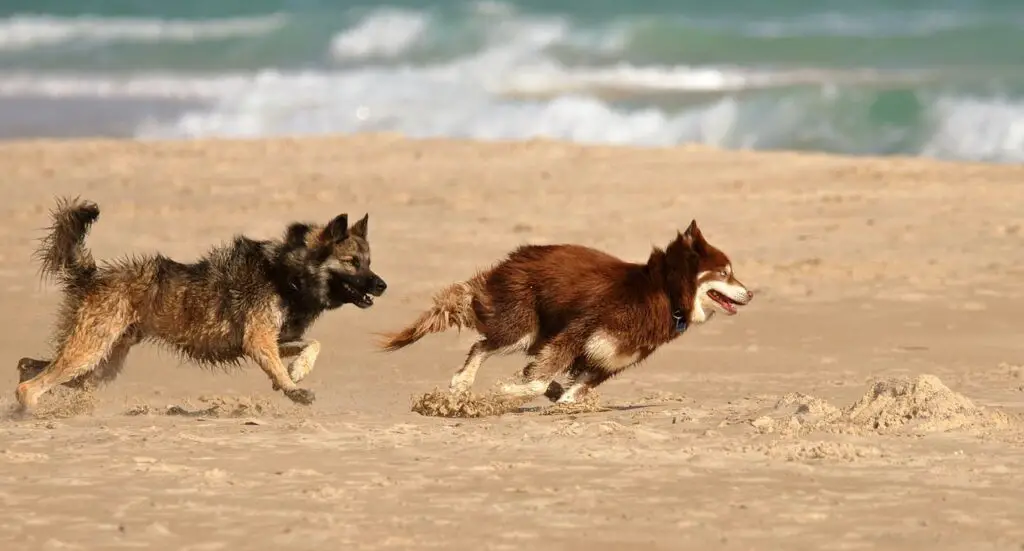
[(62, 253), (453, 307)]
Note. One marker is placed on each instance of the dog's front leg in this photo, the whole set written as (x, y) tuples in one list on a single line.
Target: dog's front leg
[(262, 347), (307, 351)]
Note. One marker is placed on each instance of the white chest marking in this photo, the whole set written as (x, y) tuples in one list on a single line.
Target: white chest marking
[(603, 350)]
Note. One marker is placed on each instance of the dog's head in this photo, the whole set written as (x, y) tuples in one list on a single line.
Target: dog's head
[(342, 258), (706, 272)]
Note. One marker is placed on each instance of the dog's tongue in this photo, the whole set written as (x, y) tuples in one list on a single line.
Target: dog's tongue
[(728, 306)]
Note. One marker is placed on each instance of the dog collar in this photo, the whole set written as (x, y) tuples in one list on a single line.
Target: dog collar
[(680, 319)]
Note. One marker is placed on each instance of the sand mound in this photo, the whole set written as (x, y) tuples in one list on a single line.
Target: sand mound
[(590, 403), (807, 409), (212, 406), (894, 405), (60, 403), (923, 404), (63, 402), (795, 413), (816, 451), (442, 403)]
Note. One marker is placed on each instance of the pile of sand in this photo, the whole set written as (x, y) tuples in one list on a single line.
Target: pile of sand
[(924, 404), (894, 405), (797, 413), (442, 403), (821, 450), (590, 403), (62, 402)]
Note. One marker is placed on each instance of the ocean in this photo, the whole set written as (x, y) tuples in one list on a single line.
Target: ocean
[(938, 78)]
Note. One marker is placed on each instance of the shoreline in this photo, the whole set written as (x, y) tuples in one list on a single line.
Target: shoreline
[(83, 139), (45, 119)]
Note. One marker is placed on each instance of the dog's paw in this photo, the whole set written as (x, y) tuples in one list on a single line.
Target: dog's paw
[(459, 385), (302, 396), (457, 388), (554, 391), (299, 369)]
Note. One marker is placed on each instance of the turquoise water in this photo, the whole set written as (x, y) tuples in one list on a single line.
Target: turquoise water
[(941, 79)]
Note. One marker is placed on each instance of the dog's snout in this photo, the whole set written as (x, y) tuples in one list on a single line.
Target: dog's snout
[(379, 286), (750, 295)]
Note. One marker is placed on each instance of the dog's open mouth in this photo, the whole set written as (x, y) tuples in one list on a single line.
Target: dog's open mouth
[(343, 292), (727, 304), (359, 297), (364, 300)]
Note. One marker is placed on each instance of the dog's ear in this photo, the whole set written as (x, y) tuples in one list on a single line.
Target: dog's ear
[(681, 263), (680, 247), (694, 238), (337, 229), (360, 228), (295, 235)]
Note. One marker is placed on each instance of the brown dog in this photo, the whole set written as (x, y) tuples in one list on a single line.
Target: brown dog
[(581, 311), (247, 299)]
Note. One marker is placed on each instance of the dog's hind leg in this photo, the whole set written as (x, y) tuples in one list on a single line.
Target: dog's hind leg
[(111, 366), (91, 341), (584, 375), (464, 377), (260, 344), (554, 358), (307, 351), (107, 370), (579, 388)]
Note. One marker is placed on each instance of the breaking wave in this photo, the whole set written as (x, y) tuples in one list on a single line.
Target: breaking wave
[(492, 71)]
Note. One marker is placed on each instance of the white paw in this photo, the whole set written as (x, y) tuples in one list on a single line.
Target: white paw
[(532, 388), (458, 387), (570, 396), (299, 369)]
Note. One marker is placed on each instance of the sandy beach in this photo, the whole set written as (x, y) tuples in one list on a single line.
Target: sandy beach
[(870, 397)]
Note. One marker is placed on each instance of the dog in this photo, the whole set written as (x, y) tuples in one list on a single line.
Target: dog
[(576, 310), (246, 299)]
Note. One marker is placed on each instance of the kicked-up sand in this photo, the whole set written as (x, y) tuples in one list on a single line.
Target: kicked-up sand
[(870, 397)]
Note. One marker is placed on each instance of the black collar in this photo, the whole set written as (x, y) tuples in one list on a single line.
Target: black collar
[(681, 323)]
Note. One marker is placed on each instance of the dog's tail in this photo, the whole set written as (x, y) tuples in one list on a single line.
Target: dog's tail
[(453, 307), (62, 254)]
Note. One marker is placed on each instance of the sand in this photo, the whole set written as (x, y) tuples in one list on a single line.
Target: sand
[(869, 398)]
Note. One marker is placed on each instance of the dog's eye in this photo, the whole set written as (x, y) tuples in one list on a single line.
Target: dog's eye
[(355, 263), (724, 273)]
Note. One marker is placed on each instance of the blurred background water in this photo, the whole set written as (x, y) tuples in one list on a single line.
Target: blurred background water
[(939, 78)]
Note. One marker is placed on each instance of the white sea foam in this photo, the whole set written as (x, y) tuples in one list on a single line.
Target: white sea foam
[(430, 104), (513, 87), (24, 32), (387, 32), (349, 103), (983, 130)]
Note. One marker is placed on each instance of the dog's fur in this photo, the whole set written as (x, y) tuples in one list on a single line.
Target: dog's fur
[(246, 299), (580, 311)]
